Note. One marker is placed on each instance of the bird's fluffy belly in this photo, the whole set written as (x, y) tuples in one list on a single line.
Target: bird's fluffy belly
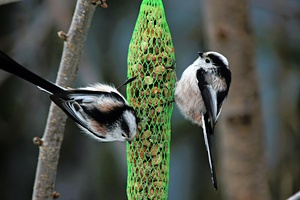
[(190, 102)]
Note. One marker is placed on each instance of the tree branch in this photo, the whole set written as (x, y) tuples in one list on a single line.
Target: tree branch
[(53, 135)]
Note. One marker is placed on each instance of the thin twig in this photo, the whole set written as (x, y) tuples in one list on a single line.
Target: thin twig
[(49, 151)]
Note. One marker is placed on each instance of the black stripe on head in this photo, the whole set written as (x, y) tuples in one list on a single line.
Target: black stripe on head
[(222, 68), (216, 60), (125, 127)]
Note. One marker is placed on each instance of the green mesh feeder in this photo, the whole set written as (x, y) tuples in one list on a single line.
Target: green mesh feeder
[(150, 57)]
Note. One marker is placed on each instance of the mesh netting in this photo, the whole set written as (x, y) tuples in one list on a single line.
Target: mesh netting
[(150, 58)]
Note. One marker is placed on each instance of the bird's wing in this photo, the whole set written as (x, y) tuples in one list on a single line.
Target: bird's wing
[(74, 110), (90, 108), (207, 140), (220, 98), (209, 96)]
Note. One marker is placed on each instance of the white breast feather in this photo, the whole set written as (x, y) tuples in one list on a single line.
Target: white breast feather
[(188, 96)]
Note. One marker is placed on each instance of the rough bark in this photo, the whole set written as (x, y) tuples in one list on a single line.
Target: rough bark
[(242, 166), (52, 139)]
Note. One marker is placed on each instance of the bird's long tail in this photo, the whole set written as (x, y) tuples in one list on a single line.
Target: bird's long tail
[(207, 133), (9, 65)]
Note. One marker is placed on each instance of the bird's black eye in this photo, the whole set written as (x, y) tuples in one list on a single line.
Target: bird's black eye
[(124, 135), (207, 60)]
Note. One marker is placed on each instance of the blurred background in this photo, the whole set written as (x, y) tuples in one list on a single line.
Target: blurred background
[(91, 170)]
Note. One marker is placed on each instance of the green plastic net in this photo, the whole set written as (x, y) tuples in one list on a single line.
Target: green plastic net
[(151, 58)]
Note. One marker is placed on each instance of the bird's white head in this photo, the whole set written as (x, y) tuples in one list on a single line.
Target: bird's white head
[(131, 121), (212, 59)]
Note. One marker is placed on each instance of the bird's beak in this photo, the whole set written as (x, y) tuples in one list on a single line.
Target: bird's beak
[(200, 54), (129, 140)]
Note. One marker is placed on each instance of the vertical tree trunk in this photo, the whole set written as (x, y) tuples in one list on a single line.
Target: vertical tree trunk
[(286, 173), (242, 166)]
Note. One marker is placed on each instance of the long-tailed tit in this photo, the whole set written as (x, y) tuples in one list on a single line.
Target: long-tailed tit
[(99, 109), (200, 93)]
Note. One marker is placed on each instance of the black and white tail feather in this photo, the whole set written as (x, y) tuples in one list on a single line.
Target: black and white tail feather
[(200, 93), (99, 109)]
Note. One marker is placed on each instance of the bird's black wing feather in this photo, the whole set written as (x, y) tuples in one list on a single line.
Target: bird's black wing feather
[(82, 106), (208, 119), (72, 109), (209, 97)]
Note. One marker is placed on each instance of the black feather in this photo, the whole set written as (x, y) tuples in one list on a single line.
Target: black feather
[(220, 98), (216, 60), (226, 74), (106, 117), (66, 107), (69, 102), (208, 134), (208, 120), (201, 79), (222, 68), (206, 96), (9, 65)]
